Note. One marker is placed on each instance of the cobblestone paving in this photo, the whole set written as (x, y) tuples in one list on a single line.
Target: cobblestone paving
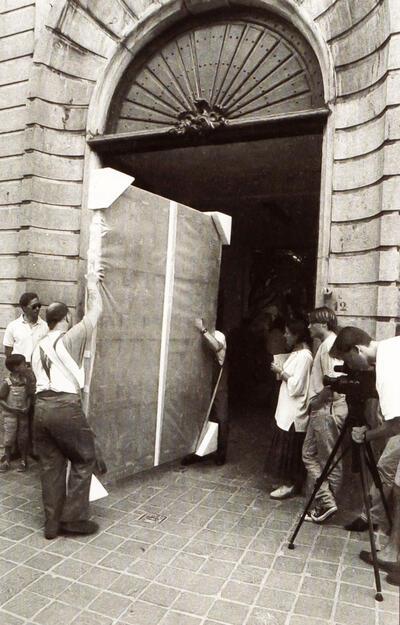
[(219, 557)]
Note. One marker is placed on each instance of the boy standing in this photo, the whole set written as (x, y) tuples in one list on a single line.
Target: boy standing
[(16, 394), (328, 412)]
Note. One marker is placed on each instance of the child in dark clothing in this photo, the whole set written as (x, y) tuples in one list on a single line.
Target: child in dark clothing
[(16, 393)]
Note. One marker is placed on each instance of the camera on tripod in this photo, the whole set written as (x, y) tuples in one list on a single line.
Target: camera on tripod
[(357, 386)]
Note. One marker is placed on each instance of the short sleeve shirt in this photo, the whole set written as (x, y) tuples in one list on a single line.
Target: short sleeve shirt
[(388, 376), (23, 337)]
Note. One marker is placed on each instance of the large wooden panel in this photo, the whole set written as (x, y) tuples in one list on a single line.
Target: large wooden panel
[(124, 386), (197, 262)]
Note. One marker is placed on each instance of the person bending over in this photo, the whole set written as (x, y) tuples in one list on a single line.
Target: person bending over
[(359, 352)]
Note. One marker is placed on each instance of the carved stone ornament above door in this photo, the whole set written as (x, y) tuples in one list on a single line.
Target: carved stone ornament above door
[(225, 71)]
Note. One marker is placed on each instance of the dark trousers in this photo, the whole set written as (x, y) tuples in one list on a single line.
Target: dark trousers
[(62, 433), (220, 415)]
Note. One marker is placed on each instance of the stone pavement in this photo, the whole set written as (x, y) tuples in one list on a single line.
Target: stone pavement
[(197, 546)]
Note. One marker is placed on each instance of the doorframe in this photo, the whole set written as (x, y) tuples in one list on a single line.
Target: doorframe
[(149, 29)]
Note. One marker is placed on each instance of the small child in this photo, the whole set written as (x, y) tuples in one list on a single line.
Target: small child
[(16, 394)]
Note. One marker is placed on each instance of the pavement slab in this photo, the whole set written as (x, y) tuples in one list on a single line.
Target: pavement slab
[(198, 545)]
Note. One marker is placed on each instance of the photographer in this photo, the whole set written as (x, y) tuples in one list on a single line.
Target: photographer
[(359, 352)]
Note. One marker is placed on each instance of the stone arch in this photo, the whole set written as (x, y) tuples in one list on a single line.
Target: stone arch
[(153, 25), (229, 69)]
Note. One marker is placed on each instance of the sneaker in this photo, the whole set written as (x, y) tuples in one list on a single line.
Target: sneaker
[(283, 492), (23, 467), (322, 513), (4, 466), (309, 514)]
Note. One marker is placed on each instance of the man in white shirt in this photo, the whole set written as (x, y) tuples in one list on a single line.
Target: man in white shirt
[(23, 333), (61, 430), (360, 352), (327, 413)]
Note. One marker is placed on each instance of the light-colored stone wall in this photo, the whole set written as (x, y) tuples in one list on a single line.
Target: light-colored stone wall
[(42, 168), (17, 22)]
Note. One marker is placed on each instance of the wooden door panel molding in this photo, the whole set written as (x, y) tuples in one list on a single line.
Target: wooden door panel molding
[(214, 72)]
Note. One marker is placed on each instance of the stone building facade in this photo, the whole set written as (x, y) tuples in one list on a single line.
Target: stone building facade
[(61, 63)]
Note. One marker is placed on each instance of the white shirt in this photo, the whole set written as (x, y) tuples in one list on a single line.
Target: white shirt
[(388, 377), (324, 365), (23, 337), (293, 395), (74, 342)]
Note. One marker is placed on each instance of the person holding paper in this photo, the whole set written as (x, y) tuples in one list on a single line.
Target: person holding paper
[(61, 430), (284, 462)]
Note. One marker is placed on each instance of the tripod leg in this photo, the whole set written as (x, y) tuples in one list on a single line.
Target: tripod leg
[(373, 469), (363, 474), (330, 464)]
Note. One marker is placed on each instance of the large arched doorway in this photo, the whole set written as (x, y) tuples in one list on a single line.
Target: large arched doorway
[(225, 112)]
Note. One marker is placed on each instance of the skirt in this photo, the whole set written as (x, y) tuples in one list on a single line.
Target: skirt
[(284, 456)]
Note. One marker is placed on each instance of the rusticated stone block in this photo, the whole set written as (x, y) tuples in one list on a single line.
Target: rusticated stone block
[(368, 235), (365, 323), (19, 20), (48, 267), (343, 15), (48, 216), (50, 242), (78, 26), (12, 143), (114, 15), (58, 87), (354, 46), (364, 268), (52, 141), (20, 44), (15, 70), (13, 95), (367, 201), (11, 168), (361, 74), (53, 191), (366, 170), (360, 139), (385, 329), (54, 167), (62, 117), (13, 119), (10, 192), (67, 57)]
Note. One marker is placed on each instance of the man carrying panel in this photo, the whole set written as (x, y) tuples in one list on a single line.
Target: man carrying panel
[(61, 430)]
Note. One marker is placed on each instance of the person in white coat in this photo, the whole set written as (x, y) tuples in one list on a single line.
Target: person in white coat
[(284, 460)]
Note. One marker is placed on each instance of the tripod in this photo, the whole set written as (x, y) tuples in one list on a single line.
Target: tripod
[(362, 460)]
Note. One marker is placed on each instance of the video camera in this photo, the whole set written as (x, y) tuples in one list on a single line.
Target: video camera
[(358, 386)]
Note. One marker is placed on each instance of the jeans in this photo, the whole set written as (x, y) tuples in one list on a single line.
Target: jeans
[(387, 466), (322, 433), (62, 433)]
